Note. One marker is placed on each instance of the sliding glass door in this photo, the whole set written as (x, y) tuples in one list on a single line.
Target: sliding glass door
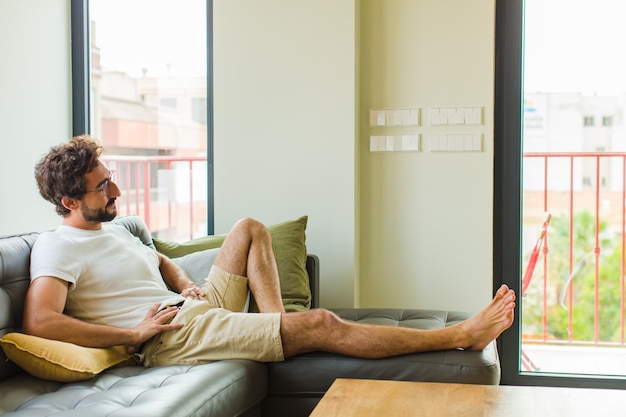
[(565, 185)]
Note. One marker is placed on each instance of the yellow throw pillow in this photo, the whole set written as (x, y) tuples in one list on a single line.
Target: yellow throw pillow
[(60, 361)]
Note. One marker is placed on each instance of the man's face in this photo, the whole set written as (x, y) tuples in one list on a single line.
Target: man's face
[(98, 204)]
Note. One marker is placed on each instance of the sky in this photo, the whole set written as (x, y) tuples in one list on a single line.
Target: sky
[(570, 45), (575, 46), (172, 38)]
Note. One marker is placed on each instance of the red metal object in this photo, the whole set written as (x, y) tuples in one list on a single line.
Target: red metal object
[(532, 262), (143, 195)]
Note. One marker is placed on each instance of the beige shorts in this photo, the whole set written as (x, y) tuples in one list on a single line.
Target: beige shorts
[(217, 328)]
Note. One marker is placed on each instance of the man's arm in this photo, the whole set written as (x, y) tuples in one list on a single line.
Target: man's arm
[(43, 317), (176, 278)]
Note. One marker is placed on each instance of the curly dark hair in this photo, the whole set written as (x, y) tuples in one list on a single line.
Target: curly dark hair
[(60, 173)]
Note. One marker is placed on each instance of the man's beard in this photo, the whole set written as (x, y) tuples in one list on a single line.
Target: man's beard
[(100, 215)]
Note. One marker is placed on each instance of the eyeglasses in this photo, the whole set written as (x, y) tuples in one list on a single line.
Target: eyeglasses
[(105, 184)]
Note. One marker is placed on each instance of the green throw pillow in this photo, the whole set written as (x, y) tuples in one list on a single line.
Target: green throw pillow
[(288, 241)]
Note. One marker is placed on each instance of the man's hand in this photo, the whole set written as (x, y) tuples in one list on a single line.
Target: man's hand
[(192, 291), (156, 321)]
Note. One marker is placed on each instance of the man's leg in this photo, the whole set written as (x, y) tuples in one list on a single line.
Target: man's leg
[(247, 251), (321, 330)]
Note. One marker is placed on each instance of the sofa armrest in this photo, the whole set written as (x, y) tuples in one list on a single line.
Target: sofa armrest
[(313, 269)]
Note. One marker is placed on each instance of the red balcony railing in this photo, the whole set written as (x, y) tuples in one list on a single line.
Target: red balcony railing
[(577, 294), (168, 192)]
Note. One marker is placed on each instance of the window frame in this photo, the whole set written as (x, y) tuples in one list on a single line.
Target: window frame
[(81, 108), (81, 62), (507, 208)]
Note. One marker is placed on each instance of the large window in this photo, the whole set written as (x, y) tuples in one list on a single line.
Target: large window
[(550, 156), (142, 86)]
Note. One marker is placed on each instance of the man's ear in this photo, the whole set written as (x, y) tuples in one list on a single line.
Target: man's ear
[(69, 203)]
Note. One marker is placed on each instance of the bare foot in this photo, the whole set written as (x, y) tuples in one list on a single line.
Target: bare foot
[(488, 324)]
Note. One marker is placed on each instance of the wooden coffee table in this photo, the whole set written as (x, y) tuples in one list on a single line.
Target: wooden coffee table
[(370, 398)]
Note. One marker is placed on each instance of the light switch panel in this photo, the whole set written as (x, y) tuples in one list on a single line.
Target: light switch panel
[(435, 119), (456, 142)]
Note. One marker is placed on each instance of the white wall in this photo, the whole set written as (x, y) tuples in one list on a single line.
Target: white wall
[(285, 124), (286, 141), (426, 218), (35, 109)]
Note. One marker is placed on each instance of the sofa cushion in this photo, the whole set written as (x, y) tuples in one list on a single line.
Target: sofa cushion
[(298, 383), (197, 264), (288, 241), (224, 388), (60, 361)]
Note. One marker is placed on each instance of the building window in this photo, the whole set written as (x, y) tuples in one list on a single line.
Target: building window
[(171, 102), (588, 121), (199, 110), (607, 121)]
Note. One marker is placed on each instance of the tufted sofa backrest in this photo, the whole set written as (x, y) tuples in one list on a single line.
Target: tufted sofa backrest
[(14, 281)]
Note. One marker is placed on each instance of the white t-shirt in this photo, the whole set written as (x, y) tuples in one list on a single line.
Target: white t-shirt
[(114, 278)]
